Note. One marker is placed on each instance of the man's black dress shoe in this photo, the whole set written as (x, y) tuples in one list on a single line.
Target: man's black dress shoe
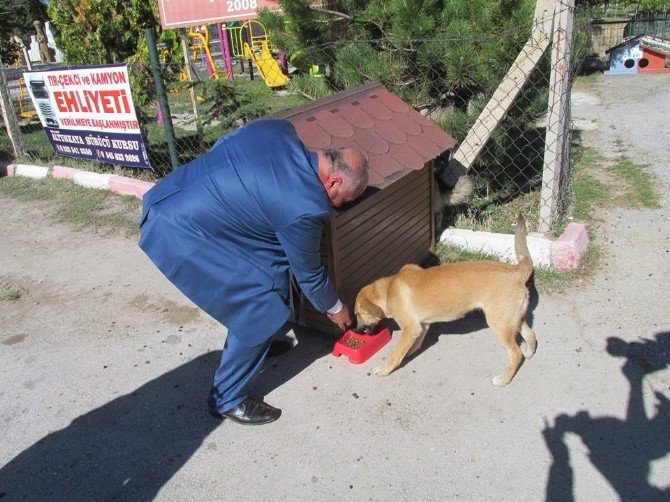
[(279, 347), (250, 412)]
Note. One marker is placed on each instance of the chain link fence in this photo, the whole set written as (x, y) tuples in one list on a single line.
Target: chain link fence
[(514, 143)]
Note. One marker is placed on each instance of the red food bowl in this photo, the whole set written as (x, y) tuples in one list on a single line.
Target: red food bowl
[(359, 347)]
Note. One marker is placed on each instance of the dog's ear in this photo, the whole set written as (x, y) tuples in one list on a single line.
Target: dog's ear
[(371, 309)]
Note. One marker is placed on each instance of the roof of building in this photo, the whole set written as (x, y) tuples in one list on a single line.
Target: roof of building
[(396, 138), (653, 43)]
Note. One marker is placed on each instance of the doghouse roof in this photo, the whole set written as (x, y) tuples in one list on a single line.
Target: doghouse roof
[(396, 138), (649, 42)]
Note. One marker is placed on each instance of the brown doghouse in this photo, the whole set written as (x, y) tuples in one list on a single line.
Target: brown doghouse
[(401, 145)]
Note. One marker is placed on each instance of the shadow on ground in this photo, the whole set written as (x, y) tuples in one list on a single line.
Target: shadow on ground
[(130, 447), (622, 450), (126, 449)]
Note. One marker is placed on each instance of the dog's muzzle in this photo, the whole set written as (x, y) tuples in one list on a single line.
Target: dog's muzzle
[(366, 329)]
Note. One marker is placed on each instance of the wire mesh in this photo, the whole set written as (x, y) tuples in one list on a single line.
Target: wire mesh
[(212, 95)]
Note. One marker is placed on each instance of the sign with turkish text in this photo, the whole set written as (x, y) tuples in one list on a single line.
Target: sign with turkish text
[(88, 112), (185, 13)]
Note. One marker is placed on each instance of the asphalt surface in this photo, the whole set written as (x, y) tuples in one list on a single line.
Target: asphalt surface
[(105, 367)]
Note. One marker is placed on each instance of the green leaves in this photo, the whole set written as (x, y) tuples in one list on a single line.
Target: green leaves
[(16, 19), (358, 64), (100, 31), (229, 105)]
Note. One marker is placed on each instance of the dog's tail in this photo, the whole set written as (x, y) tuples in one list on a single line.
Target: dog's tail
[(459, 193), (521, 246)]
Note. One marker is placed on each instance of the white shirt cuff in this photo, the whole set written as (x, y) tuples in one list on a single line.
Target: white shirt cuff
[(336, 308)]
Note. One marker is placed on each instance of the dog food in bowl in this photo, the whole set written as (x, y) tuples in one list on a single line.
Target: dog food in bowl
[(359, 347)]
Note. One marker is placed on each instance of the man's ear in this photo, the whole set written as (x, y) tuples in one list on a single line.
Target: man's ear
[(333, 181)]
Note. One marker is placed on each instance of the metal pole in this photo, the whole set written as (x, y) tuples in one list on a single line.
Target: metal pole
[(225, 51), (162, 96), (191, 89)]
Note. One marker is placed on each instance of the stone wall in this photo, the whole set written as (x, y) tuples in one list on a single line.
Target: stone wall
[(607, 34)]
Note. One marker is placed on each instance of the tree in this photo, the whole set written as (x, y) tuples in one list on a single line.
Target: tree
[(431, 52), (16, 19), (93, 31)]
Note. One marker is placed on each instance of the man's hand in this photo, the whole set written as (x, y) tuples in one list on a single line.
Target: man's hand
[(342, 318)]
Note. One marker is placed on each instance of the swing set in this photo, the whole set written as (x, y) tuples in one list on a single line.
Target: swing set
[(247, 41)]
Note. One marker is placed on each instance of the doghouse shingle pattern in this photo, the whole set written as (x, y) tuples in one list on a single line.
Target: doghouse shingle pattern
[(392, 224), (396, 138)]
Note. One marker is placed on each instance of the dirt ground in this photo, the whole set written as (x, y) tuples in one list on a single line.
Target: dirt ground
[(104, 370)]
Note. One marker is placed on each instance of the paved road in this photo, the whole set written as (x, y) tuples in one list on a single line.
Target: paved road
[(104, 370)]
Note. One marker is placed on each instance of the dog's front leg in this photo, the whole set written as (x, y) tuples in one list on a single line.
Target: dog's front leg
[(418, 342), (408, 337)]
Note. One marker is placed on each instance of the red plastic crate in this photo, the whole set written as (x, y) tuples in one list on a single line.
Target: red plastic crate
[(370, 344)]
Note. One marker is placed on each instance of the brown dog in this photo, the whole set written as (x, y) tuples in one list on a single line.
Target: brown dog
[(416, 297)]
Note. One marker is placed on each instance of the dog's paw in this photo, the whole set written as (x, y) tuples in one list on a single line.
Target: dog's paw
[(499, 381), (380, 371)]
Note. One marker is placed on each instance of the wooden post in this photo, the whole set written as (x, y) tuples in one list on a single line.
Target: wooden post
[(557, 137), (504, 96), (9, 116)]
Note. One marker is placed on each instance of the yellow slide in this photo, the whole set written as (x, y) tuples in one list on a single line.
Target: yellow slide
[(268, 67)]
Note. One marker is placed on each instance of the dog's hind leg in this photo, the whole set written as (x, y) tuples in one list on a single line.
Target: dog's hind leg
[(505, 331), (408, 337), (529, 340)]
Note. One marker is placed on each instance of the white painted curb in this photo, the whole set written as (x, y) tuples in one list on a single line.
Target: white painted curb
[(36, 172), (114, 183), (92, 180), (499, 245)]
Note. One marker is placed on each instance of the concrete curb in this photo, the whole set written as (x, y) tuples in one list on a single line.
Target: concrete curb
[(568, 250), (36, 172), (117, 184), (564, 253)]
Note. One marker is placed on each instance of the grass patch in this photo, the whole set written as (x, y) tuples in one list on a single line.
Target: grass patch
[(483, 216), (9, 290), (619, 146), (449, 253), (639, 185), (100, 210), (10, 296), (589, 192), (587, 80)]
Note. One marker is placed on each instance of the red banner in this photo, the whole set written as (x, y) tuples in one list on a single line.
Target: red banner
[(184, 13)]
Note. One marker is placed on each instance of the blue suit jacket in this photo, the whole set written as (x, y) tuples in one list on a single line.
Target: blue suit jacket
[(225, 228)]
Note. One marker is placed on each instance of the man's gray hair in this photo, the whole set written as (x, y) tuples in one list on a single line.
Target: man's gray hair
[(355, 175)]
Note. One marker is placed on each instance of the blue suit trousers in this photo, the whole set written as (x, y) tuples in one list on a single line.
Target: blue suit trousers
[(240, 365)]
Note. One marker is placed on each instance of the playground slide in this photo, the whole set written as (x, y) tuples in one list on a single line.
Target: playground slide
[(267, 66)]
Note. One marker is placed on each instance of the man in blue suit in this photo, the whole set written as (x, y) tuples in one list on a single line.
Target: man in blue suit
[(225, 229)]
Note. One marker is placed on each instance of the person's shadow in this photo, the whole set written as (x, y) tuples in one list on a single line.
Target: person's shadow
[(309, 346), (621, 450), (130, 447)]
